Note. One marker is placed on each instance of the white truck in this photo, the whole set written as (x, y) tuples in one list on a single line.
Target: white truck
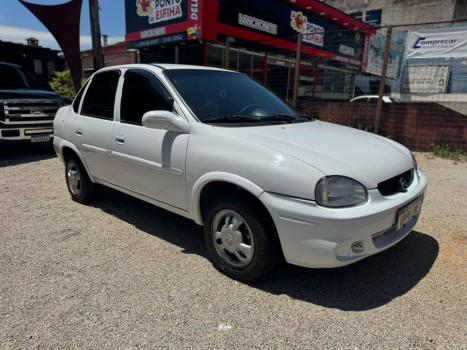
[(219, 148), (26, 111)]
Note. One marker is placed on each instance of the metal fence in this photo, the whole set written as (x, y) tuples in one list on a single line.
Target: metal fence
[(372, 82)]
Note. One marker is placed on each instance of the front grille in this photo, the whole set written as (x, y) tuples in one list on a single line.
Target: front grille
[(30, 110), (33, 125), (393, 185), (2, 112), (29, 119)]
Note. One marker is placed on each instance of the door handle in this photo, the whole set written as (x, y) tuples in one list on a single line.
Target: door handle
[(120, 139), (79, 132)]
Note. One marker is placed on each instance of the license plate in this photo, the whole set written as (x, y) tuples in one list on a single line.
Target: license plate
[(408, 212), (40, 138)]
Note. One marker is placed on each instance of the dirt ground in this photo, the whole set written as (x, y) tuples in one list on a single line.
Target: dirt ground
[(122, 274)]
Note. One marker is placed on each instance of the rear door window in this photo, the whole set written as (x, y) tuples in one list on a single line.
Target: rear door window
[(99, 100), (78, 98)]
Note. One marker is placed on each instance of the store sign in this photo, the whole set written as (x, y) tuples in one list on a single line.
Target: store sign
[(159, 10), (194, 7), (256, 23), (169, 39), (375, 57), (150, 18), (450, 42), (150, 33), (426, 79), (312, 33), (283, 20)]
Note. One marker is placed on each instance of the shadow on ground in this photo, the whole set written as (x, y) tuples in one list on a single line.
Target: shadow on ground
[(365, 285), (14, 153)]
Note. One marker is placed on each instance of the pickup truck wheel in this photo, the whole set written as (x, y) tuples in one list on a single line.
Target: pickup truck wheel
[(79, 185), (240, 240)]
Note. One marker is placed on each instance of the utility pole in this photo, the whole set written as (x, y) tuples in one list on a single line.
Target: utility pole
[(96, 34), (382, 82), (296, 80)]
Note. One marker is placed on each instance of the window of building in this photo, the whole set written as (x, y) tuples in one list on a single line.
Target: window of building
[(100, 98), (215, 56), (460, 11), (37, 66), (142, 92), (357, 15), (371, 17), (50, 67)]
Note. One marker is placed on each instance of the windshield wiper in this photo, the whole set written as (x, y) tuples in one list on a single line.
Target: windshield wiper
[(287, 118), (231, 119), (280, 118), (245, 119)]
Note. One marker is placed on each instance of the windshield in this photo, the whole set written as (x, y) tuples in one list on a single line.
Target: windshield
[(228, 96), (14, 78)]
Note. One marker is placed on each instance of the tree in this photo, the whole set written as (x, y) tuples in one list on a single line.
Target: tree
[(62, 83)]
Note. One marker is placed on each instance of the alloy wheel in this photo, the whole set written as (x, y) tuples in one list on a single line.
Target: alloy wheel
[(74, 179), (232, 238)]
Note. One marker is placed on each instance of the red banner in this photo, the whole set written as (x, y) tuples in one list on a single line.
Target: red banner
[(63, 21)]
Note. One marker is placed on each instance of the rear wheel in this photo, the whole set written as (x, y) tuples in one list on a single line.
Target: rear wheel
[(78, 182), (241, 241)]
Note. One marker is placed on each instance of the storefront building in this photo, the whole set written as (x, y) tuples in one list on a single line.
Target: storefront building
[(113, 55), (257, 37)]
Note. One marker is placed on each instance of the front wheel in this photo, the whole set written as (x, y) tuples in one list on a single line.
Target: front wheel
[(78, 182), (241, 241)]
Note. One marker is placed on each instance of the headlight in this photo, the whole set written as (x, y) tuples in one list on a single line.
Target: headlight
[(339, 191), (415, 165)]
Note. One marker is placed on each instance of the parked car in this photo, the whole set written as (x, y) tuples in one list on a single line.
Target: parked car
[(219, 148), (370, 99), (26, 110)]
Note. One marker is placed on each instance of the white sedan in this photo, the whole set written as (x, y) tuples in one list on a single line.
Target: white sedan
[(219, 148), (370, 99)]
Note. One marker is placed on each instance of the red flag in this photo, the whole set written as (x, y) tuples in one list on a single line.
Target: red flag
[(63, 21)]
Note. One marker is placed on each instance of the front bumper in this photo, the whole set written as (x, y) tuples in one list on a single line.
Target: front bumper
[(21, 132), (318, 237)]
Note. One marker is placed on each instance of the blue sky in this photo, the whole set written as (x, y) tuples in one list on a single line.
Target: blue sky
[(17, 23)]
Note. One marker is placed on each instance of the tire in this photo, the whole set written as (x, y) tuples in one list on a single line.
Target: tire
[(79, 184), (257, 231)]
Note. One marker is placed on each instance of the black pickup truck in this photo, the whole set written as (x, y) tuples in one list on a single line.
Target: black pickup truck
[(27, 111)]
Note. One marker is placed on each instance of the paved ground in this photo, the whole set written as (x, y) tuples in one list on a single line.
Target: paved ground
[(122, 274)]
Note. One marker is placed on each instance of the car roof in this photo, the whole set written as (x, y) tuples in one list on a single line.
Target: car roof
[(169, 66), (164, 66), (366, 96), (387, 98)]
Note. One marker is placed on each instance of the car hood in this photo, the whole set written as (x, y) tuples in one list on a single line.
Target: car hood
[(335, 149), (28, 94)]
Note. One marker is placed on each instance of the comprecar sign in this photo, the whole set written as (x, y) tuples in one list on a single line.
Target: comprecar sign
[(437, 43)]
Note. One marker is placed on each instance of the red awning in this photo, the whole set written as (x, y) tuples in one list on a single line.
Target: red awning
[(332, 14)]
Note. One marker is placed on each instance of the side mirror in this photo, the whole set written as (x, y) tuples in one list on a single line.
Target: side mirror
[(165, 120)]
